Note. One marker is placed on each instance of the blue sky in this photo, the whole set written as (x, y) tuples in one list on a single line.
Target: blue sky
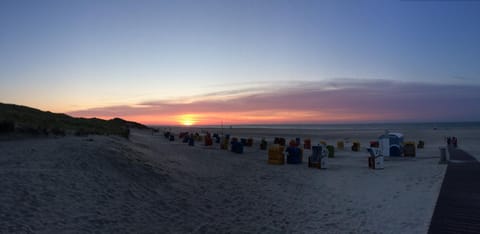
[(77, 55)]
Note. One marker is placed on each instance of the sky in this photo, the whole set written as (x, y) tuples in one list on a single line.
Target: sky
[(244, 62)]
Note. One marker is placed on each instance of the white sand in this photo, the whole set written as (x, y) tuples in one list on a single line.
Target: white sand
[(151, 185)]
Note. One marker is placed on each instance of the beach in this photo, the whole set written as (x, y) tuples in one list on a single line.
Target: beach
[(148, 184), (240, 117)]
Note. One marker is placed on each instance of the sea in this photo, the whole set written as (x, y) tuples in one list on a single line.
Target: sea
[(360, 126)]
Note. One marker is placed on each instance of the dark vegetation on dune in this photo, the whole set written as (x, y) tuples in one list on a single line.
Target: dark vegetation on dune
[(26, 120)]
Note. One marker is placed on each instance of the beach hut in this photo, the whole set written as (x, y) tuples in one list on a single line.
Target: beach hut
[(391, 144)]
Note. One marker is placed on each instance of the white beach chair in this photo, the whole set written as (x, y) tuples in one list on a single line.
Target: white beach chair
[(376, 157)]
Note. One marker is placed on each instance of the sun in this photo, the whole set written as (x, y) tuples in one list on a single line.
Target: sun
[(187, 120)]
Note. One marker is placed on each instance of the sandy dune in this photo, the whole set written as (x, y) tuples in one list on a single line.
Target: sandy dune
[(151, 185)]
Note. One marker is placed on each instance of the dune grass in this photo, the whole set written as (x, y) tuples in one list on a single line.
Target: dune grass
[(23, 119)]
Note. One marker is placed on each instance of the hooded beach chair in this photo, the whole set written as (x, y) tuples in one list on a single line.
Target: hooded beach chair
[(375, 160), (294, 155), (275, 154), (318, 159)]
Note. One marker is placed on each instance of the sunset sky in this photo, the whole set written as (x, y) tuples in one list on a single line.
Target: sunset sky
[(243, 62)]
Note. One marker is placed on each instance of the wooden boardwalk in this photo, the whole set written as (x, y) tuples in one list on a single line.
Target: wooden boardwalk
[(458, 205)]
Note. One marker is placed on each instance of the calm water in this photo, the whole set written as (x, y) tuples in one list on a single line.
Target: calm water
[(370, 126), (355, 127)]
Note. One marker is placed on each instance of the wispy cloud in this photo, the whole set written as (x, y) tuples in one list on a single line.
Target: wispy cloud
[(462, 78), (342, 100)]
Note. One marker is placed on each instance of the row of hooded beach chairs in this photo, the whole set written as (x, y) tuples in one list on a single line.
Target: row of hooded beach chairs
[(294, 155)]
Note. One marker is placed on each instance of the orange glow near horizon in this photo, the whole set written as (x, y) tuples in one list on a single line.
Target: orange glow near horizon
[(187, 119), (239, 118), (234, 118)]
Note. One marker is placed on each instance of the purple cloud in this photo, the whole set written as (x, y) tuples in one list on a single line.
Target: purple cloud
[(332, 101)]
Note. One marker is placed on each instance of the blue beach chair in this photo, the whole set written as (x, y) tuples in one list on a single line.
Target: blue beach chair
[(294, 155), (318, 157)]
